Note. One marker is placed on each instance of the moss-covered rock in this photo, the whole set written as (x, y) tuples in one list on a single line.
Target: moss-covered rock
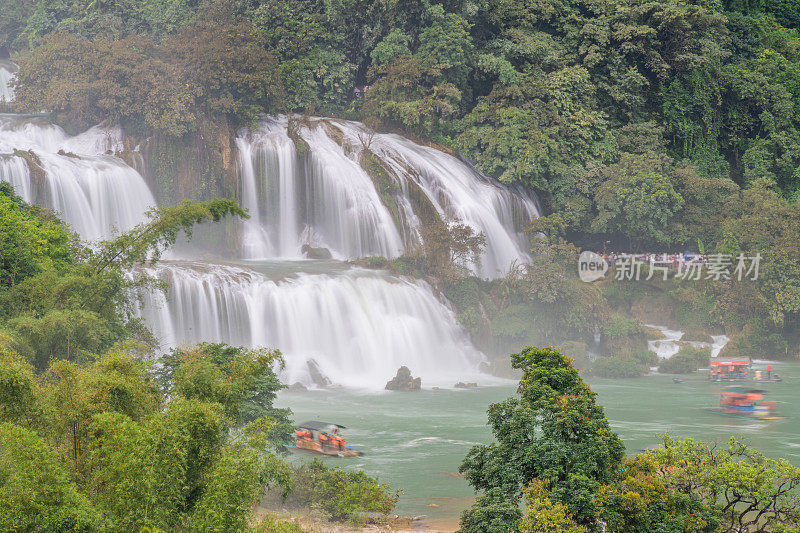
[(315, 253), (386, 183), (35, 168), (293, 126)]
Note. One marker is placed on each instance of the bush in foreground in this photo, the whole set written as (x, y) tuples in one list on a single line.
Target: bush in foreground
[(341, 494)]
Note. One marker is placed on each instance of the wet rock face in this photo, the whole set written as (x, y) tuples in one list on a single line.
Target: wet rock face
[(404, 381), (317, 377), (315, 253)]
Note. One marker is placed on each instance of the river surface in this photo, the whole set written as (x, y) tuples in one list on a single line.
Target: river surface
[(415, 440)]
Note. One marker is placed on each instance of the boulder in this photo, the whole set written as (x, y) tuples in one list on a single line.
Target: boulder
[(317, 377), (404, 381), (297, 387), (315, 253), (462, 385)]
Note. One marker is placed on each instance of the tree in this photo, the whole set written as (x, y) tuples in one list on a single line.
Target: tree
[(541, 515), (35, 487), (409, 95), (67, 302), (751, 491), (640, 500), (31, 241), (211, 71), (636, 201), (542, 133), (242, 381), (554, 432), (104, 452)]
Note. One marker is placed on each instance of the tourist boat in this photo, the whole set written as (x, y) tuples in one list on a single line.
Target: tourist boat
[(729, 370), (739, 370), (746, 403), (321, 438)]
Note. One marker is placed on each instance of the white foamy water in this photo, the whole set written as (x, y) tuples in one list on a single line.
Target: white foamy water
[(671, 343), (7, 70), (359, 326), (328, 200)]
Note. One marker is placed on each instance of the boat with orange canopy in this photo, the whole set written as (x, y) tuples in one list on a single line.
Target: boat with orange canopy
[(322, 438), (747, 403)]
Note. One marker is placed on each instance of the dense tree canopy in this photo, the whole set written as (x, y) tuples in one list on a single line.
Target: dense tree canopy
[(557, 467)]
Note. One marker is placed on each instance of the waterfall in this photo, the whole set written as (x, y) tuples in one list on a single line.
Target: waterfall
[(458, 192), (358, 326), (671, 343), (327, 199), (330, 202), (94, 193), (7, 70)]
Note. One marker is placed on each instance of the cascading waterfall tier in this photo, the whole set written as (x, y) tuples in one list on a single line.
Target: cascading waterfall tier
[(94, 192), (325, 198), (358, 326)]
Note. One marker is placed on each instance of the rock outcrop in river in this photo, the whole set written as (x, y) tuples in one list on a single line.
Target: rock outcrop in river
[(404, 381)]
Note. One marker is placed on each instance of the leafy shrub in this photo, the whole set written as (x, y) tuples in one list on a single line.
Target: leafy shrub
[(623, 334), (271, 523), (645, 357), (617, 367), (342, 495), (686, 361), (376, 262)]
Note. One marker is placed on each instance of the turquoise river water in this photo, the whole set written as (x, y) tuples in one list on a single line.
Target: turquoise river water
[(415, 440)]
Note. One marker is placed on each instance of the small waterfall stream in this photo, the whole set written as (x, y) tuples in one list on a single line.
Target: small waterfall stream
[(7, 70), (671, 343)]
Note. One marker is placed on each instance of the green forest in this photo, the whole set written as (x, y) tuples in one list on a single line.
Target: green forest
[(641, 125)]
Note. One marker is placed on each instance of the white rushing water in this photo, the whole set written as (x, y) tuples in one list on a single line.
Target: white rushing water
[(7, 70), (95, 193), (671, 343), (359, 326), (328, 200), (331, 203)]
